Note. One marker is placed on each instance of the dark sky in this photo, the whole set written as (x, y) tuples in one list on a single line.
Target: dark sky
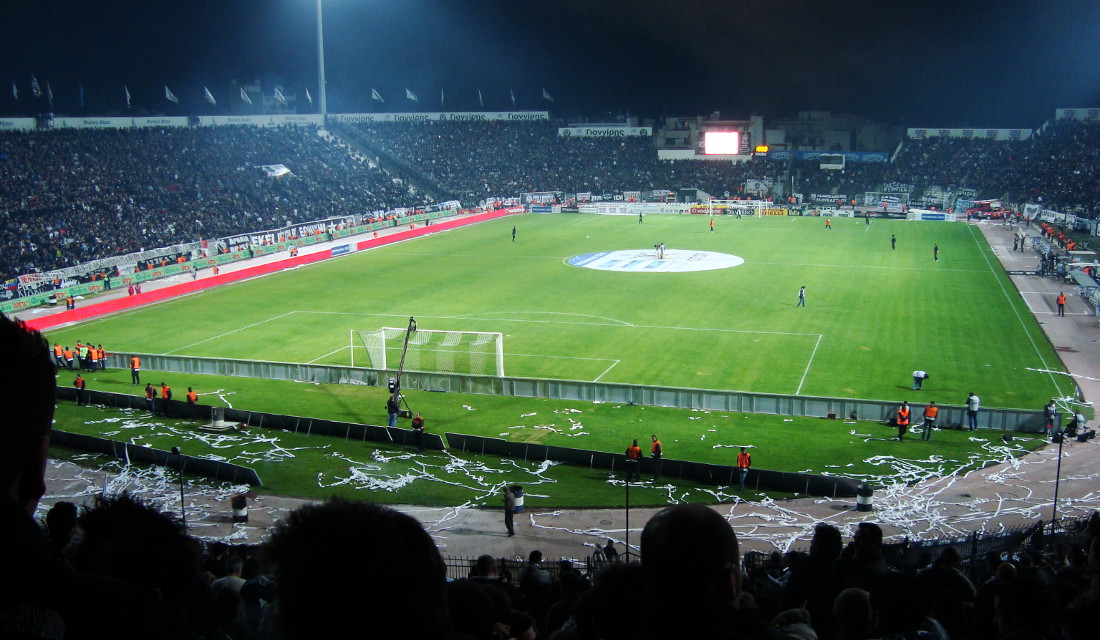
[(965, 63)]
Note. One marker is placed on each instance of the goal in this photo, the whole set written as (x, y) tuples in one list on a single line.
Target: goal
[(469, 352)]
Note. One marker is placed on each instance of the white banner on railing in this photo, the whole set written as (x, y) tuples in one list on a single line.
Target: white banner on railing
[(979, 134), (16, 124)]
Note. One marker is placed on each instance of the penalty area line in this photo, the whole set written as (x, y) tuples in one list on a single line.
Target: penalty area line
[(808, 364), (606, 370)]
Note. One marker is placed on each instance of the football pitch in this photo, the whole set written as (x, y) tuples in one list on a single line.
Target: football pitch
[(873, 314)]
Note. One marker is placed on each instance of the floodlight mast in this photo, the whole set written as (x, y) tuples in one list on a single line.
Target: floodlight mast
[(321, 65)]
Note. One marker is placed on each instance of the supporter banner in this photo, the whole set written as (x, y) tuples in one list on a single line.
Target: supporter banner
[(849, 156), (274, 120), (1077, 114), (773, 212), (17, 124), (898, 187), (474, 116), (341, 250), (1032, 210), (604, 132), (828, 197), (546, 209), (272, 236), (116, 123), (983, 134)]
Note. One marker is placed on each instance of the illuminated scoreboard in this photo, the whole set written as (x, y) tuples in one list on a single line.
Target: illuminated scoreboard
[(721, 143)]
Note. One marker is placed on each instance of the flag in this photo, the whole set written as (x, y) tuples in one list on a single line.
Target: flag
[(279, 97), (35, 89), (80, 87), (244, 96), (441, 96), (127, 90), (546, 94), (513, 94), (309, 97), (169, 96), (49, 94), (479, 98), (410, 95), (374, 95), (209, 96), (14, 90)]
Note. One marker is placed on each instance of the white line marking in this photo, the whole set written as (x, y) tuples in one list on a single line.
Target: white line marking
[(328, 354), (227, 333), (1016, 311), (595, 324), (606, 370), (561, 313), (807, 371)]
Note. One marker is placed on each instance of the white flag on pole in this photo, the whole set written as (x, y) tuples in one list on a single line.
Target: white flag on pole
[(14, 90), (479, 98), (546, 94), (126, 90), (279, 97), (375, 95), (513, 94), (49, 93), (441, 96), (209, 96), (168, 95), (36, 90), (309, 97), (410, 95), (244, 96)]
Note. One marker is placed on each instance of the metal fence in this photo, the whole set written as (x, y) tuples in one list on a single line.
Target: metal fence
[(583, 391)]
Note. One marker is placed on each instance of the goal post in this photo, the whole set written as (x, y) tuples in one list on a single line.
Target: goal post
[(430, 350)]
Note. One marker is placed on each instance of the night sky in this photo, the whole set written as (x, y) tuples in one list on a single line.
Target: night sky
[(966, 63)]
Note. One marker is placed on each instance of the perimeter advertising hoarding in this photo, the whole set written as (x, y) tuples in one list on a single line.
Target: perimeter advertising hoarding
[(604, 132), (445, 116)]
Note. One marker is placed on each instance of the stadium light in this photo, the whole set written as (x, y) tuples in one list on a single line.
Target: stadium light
[(321, 64)]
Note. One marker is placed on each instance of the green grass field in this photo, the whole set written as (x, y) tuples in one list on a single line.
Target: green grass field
[(873, 314)]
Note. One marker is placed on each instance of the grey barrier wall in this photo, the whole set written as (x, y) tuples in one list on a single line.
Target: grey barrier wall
[(717, 474), (683, 398), (308, 426), (234, 473)]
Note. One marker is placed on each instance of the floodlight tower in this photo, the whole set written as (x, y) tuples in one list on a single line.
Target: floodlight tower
[(321, 64)]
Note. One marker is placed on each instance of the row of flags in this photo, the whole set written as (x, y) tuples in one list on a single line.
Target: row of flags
[(36, 90), (409, 95)]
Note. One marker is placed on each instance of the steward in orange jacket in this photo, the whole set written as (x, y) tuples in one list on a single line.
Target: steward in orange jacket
[(905, 414)]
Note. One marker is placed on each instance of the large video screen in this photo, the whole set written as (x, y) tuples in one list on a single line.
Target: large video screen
[(721, 143)]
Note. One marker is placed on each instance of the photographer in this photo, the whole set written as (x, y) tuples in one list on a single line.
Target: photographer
[(393, 407)]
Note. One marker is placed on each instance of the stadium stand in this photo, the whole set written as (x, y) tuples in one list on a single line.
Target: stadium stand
[(70, 196)]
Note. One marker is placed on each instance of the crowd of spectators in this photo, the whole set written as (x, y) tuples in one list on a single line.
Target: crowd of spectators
[(68, 196), (497, 158), (691, 582)]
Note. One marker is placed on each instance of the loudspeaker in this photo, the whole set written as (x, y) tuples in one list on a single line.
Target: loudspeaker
[(392, 385)]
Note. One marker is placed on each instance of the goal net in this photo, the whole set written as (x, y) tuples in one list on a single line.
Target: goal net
[(470, 352)]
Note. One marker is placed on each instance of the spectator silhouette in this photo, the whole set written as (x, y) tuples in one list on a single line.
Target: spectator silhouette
[(392, 581)]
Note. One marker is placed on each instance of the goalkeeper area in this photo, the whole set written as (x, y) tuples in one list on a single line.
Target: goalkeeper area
[(466, 352), (531, 309)]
